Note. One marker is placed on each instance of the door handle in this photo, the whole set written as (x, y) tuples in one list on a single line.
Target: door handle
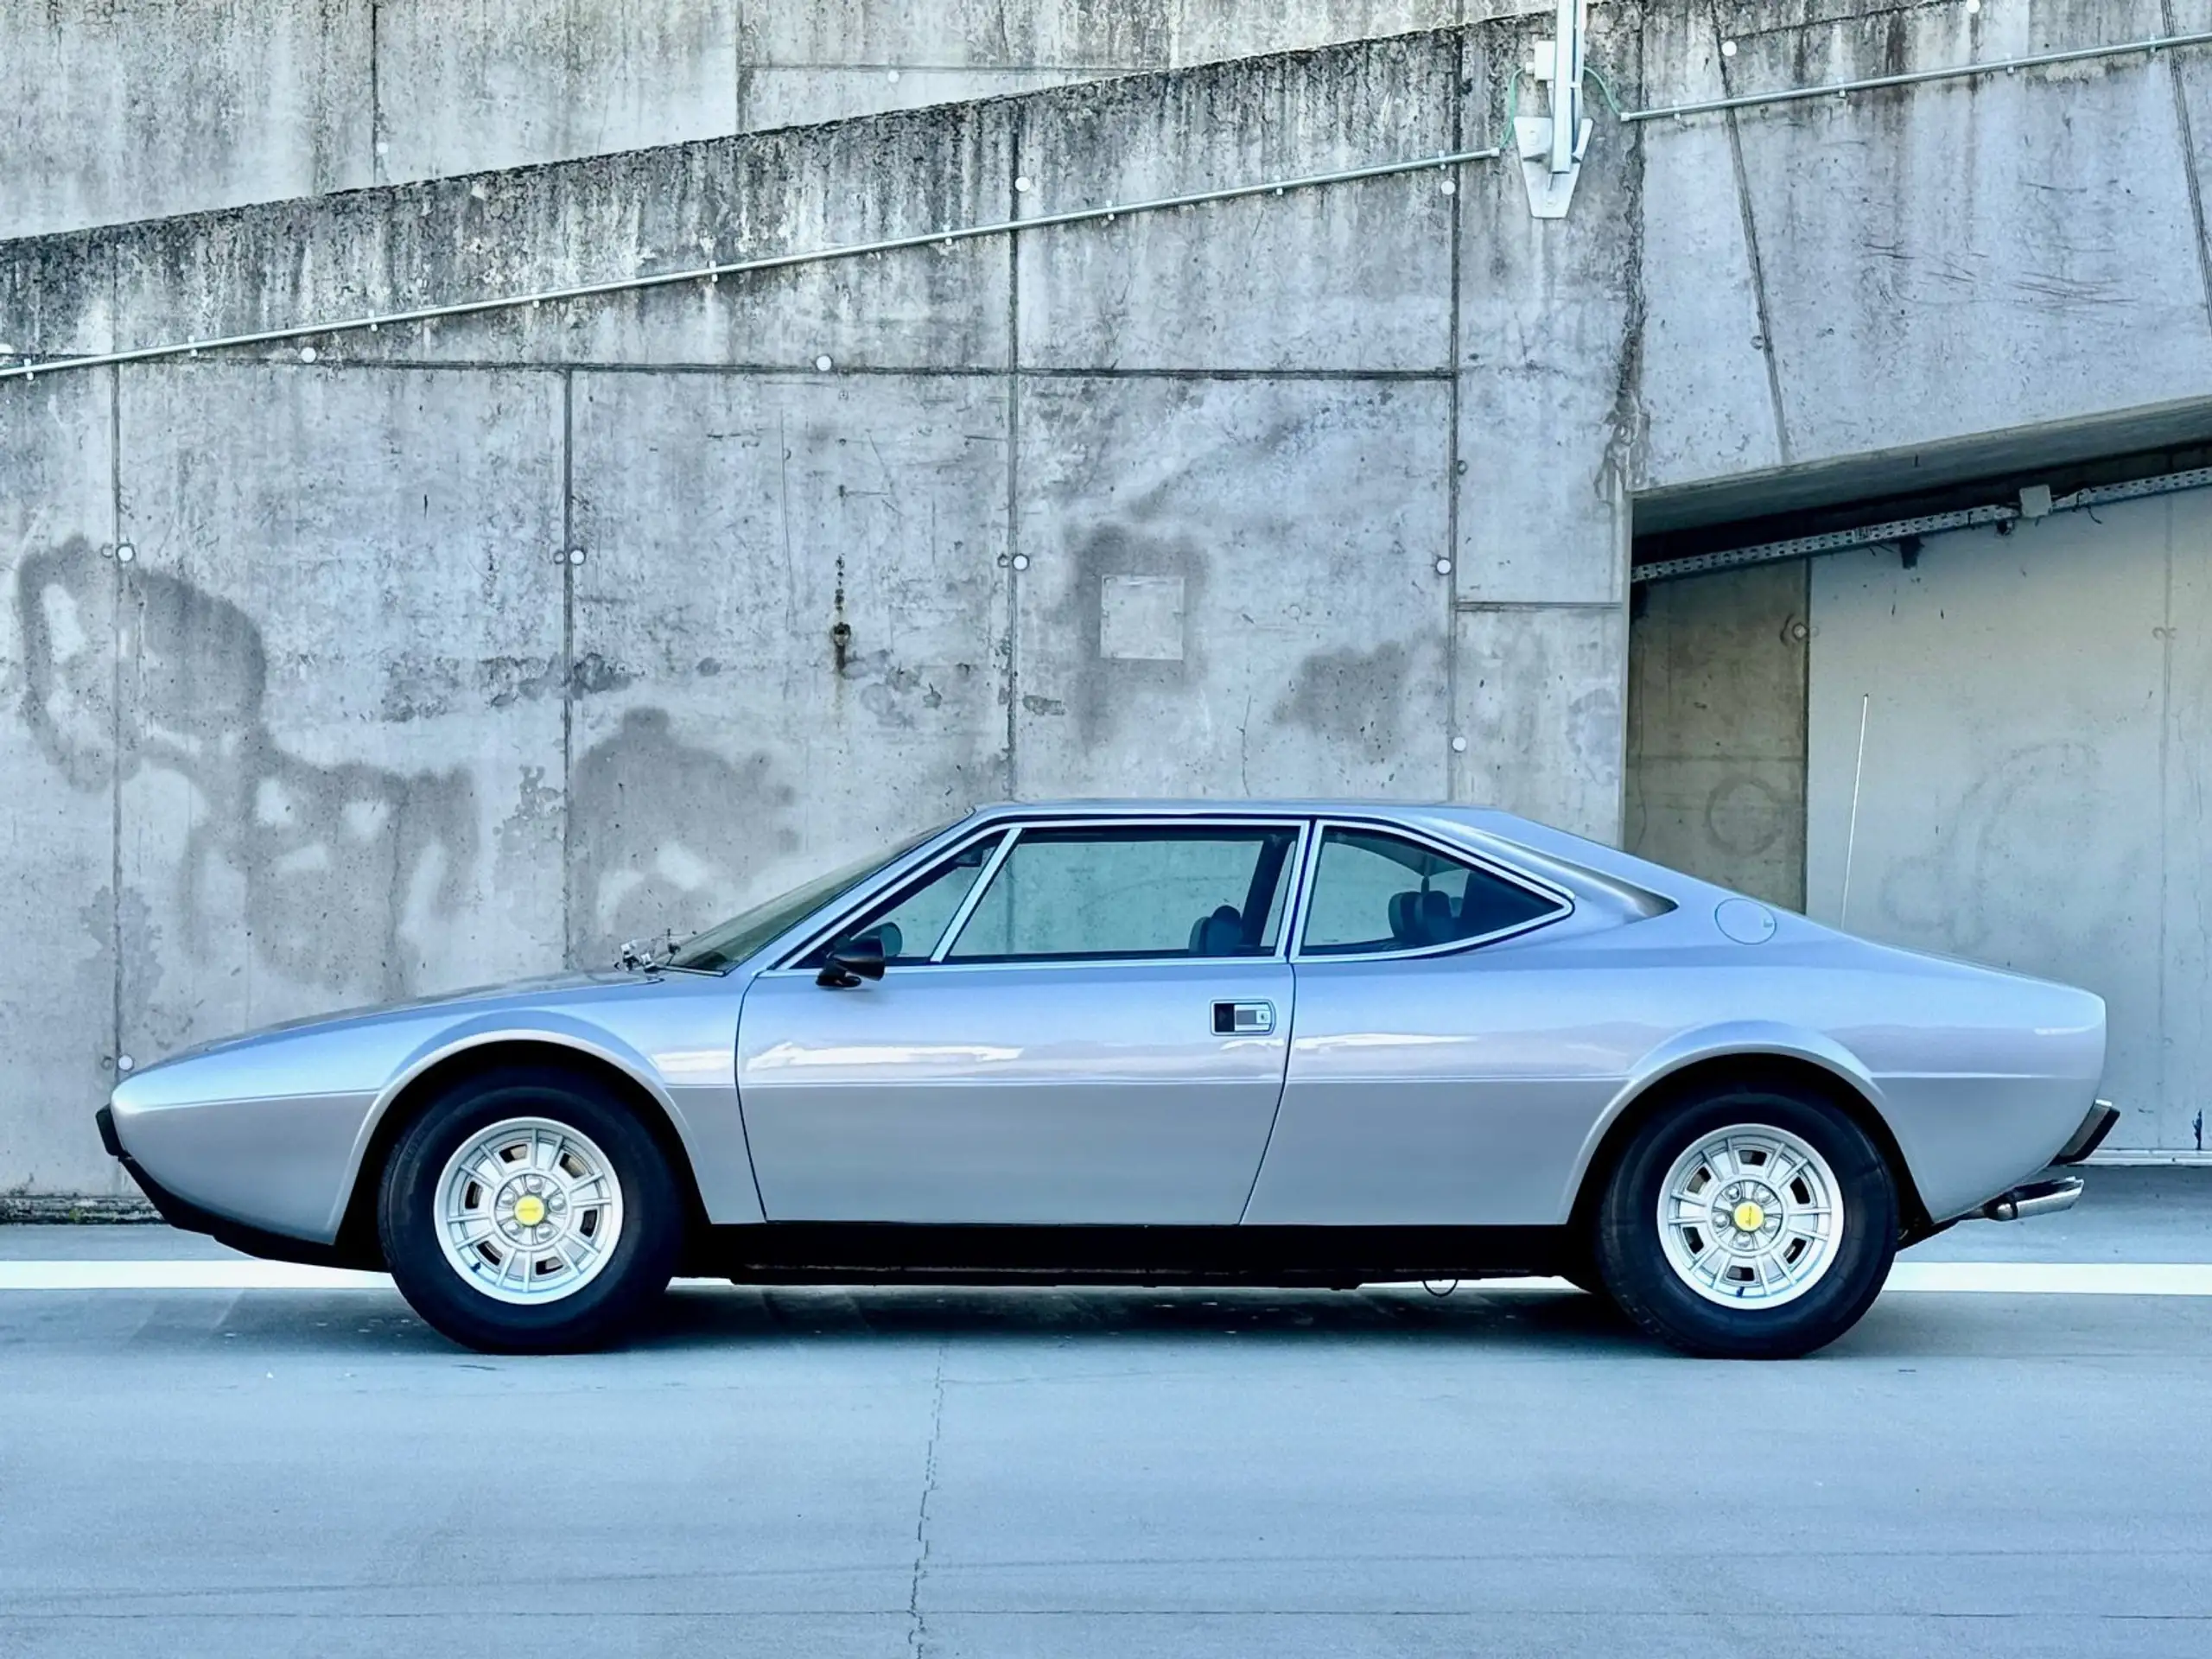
[(1243, 1019)]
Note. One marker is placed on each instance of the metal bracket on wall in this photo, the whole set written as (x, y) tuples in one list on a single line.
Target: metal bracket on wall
[(1551, 146)]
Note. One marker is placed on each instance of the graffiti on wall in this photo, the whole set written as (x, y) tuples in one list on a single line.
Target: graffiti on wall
[(668, 835), (161, 683)]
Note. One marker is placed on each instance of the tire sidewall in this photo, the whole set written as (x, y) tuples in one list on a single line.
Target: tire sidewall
[(408, 1220), (1634, 1261)]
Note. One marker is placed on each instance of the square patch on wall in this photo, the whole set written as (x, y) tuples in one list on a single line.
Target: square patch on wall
[(1140, 619)]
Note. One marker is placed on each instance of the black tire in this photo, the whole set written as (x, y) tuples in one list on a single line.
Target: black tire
[(603, 1307), (1580, 1268), (1633, 1261)]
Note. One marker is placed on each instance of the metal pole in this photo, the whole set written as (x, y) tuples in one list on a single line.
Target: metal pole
[(1566, 84), (1851, 836)]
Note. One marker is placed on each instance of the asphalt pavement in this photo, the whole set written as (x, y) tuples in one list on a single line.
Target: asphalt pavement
[(2013, 1468)]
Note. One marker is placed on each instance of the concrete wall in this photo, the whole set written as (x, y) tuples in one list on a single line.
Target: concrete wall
[(2038, 754), (1156, 506), (1871, 275), (138, 109), (1716, 729)]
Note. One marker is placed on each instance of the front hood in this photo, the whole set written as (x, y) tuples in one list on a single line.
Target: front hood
[(534, 986)]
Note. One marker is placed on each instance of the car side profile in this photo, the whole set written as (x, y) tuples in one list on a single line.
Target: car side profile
[(1271, 1043)]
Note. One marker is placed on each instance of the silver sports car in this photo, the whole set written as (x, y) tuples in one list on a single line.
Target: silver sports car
[(1289, 1043)]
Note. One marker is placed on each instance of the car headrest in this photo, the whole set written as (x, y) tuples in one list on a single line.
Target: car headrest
[(1436, 919), (1405, 917), (1217, 935)]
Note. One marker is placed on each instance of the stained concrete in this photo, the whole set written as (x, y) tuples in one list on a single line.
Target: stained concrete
[(2036, 720), (1548, 315), (123, 111), (1967, 259), (143, 109), (673, 209), (58, 992), (1708, 364), (339, 773), (1539, 705), (1243, 292), (1716, 729), (465, 85), (803, 665), (1271, 684)]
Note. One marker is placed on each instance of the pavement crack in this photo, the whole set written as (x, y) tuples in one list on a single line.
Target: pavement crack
[(917, 1626)]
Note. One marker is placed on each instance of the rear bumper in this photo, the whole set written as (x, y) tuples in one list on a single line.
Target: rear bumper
[(2091, 1135), (189, 1218)]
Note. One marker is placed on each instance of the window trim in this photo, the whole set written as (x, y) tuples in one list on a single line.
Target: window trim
[(920, 876), (820, 932), (1560, 897), (972, 898), (1012, 828)]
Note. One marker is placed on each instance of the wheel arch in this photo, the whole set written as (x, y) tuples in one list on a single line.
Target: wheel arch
[(1792, 1069), (432, 1077)]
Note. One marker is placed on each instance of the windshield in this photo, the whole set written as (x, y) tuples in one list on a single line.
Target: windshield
[(731, 942)]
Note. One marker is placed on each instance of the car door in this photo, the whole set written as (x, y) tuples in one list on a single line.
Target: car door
[(1077, 1022), (1441, 1072)]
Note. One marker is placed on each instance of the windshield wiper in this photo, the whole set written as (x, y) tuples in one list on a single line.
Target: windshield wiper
[(651, 956), (647, 954)]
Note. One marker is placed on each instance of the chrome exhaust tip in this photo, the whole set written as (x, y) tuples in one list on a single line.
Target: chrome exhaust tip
[(2035, 1199)]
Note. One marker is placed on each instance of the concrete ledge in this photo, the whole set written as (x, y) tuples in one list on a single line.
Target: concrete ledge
[(57, 1208)]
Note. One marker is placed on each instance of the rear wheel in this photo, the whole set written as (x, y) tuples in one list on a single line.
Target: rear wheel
[(529, 1211), (1748, 1223)]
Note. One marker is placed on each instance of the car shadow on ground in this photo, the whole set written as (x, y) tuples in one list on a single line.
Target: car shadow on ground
[(700, 1319), (692, 1315)]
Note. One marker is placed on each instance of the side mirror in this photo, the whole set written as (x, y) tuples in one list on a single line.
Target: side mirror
[(851, 962)]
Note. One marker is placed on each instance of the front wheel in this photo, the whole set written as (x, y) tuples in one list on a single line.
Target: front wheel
[(528, 1211), (1748, 1223)]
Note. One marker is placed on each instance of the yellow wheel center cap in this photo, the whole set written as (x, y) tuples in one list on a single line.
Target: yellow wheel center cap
[(1749, 1216), (530, 1210)]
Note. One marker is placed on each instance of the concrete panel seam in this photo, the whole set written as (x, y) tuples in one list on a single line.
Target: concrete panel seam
[(567, 667), (115, 715), (1767, 350), (376, 95), (2189, 162), (1454, 766), (1012, 667)]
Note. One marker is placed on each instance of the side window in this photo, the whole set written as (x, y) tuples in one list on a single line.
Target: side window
[(1374, 891), (912, 921), (1137, 890)]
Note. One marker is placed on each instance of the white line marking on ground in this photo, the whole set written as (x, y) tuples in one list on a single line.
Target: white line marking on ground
[(2056, 1278), (217, 1274), (1946, 1278)]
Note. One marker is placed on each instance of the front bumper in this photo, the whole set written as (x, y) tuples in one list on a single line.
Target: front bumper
[(188, 1217)]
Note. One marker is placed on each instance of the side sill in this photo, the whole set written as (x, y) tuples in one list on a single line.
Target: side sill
[(786, 1252)]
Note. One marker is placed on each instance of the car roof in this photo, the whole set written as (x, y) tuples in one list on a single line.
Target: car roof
[(1508, 834)]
